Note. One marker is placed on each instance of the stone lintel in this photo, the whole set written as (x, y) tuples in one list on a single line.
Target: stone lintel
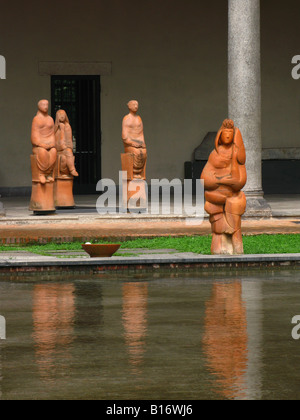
[(52, 68)]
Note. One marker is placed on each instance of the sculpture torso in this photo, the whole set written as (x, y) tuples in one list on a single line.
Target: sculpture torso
[(133, 132), (64, 137), (42, 134)]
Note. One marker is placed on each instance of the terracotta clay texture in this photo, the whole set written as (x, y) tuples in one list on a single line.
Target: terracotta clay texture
[(135, 158), (224, 176), (43, 160), (101, 251), (65, 166)]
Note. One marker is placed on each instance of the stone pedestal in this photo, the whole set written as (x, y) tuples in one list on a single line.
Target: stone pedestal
[(132, 187), (244, 94), (63, 187), (63, 193), (42, 196), (42, 200)]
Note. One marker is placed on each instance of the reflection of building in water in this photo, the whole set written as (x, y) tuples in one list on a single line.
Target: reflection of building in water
[(53, 324), (252, 296), (225, 339), (135, 314)]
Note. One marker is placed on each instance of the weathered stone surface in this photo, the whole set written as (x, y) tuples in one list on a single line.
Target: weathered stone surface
[(244, 88)]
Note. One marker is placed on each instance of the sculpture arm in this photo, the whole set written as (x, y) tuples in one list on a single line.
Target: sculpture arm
[(209, 177), (125, 134), (238, 178), (67, 137), (237, 182), (131, 142), (35, 135)]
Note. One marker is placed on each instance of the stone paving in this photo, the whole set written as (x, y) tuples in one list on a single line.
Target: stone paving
[(85, 224)]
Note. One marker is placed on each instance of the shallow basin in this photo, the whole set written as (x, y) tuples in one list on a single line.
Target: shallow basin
[(101, 251)]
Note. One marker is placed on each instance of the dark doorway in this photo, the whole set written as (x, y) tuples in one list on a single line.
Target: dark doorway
[(79, 96)]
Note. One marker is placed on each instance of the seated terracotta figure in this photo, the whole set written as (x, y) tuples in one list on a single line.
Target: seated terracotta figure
[(43, 160), (65, 165), (134, 141), (43, 142), (64, 144), (134, 159), (224, 176)]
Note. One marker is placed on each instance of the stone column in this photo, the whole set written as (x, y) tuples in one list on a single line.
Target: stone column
[(2, 210), (244, 93)]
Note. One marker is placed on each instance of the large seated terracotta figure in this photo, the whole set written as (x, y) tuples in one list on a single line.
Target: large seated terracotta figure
[(43, 160), (224, 176), (65, 165), (135, 158)]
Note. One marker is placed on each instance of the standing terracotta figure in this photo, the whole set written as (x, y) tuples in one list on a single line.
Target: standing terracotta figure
[(224, 176), (43, 159), (65, 167), (135, 158)]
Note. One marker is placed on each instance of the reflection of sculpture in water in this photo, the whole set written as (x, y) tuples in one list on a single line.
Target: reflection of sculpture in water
[(64, 144), (135, 297), (225, 339), (224, 176), (53, 328), (43, 159), (65, 166), (135, 158)]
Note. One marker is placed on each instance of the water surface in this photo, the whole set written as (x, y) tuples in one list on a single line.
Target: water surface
[(191, 336)]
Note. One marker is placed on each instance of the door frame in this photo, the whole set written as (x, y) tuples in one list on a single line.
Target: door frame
[(83, 188)]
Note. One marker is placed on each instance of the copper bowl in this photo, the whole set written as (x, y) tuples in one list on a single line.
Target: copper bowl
[(101, 251)]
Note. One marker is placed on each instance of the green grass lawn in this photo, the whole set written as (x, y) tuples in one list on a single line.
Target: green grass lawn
[(261, 244)]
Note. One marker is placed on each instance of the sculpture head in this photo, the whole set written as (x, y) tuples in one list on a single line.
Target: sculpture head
[(43, 106), (61, 118), (133, 106), (227, 134)]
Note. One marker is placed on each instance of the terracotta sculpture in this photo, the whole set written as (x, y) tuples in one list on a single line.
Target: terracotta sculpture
[(65, 165), (224, 176), (135, 158), (43, 159)]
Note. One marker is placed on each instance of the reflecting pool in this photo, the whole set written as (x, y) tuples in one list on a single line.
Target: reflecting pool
[(178, 336)]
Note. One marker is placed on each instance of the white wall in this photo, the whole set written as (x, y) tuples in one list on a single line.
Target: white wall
[(169, 54)]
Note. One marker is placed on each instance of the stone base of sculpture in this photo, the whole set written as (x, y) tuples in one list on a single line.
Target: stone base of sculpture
[(224, 244), (226, 224), (134, 191), (42, 198), (63, 187)]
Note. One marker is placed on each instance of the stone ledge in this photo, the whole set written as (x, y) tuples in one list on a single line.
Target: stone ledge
[(170, 262)]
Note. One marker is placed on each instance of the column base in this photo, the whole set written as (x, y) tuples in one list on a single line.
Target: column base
[(257, 205)]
